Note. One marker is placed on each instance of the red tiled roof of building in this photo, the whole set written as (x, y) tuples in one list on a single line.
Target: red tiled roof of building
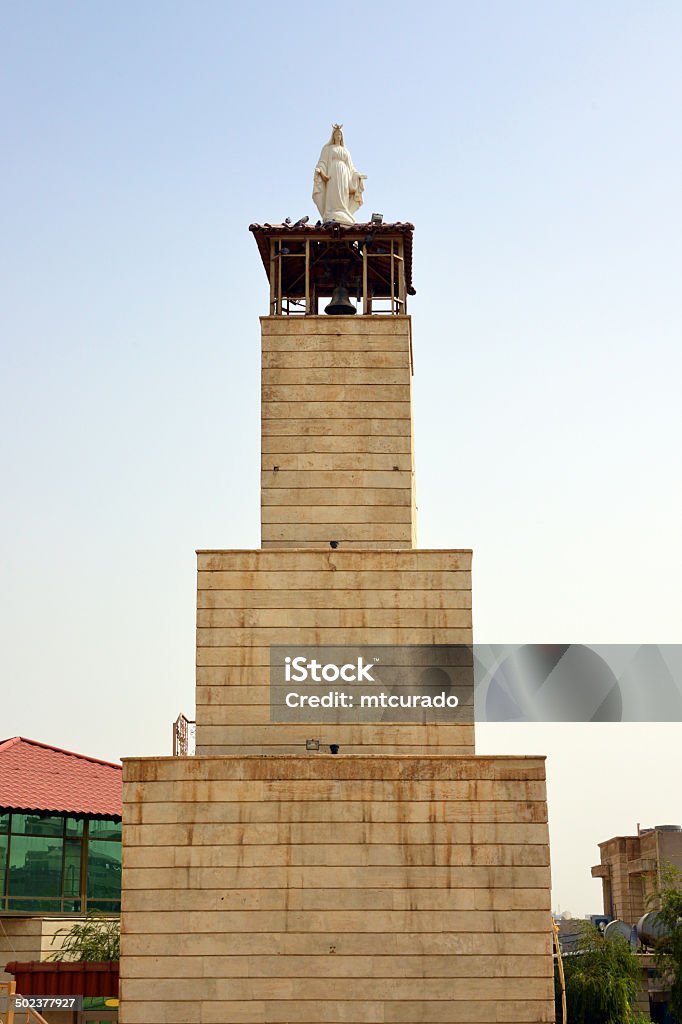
[(38, 777)]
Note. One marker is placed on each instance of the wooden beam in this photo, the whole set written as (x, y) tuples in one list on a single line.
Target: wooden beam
[(392, 278), (307, 276), (365, 295), (402, 292), (273, 271)]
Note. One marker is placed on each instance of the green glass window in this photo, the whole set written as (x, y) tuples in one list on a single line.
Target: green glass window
[(72, 867), (35, 866), (47, 860), (104, 829), (106, 906), (38, 824), (104, 870), (35, 906), (4, 843)]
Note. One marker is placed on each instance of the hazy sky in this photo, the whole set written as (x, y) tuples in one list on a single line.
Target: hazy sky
[(536, 147)]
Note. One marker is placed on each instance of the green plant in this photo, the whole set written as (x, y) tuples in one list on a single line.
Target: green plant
[(668, 952), (95, 938), (602, 980)]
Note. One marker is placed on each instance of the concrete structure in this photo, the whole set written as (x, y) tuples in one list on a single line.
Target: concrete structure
[(28, 938), (630, 868), (403, 880)]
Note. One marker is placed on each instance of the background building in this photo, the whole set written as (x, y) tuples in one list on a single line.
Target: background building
[(630, 869), (60, 844)]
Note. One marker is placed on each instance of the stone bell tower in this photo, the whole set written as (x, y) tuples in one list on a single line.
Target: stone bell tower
[(329, 870), (337, 451)]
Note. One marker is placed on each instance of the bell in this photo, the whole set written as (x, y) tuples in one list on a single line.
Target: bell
[(340, 304)]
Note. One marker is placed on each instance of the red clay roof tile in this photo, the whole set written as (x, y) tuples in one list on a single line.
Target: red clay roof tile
[(38, 777)]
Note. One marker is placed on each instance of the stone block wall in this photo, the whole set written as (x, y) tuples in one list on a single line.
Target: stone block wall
[(337, 447), (336, 889), (249, 600)]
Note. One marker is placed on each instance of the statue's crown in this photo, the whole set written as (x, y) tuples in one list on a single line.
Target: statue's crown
[(335, 126)]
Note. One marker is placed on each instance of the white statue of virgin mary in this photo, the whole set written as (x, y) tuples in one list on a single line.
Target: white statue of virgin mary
[(337, 186)]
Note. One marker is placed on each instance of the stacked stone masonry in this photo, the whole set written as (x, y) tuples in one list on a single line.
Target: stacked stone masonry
[(337, 448), (354, 889), (403, 881), (248, 600)]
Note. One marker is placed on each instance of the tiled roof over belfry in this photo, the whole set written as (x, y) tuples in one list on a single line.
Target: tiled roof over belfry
[(361, 232)]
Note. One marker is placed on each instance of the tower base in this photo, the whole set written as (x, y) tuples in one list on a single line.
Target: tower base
[(293, 890)]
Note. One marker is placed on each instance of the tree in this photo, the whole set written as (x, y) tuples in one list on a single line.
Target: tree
[(95, 938), (602, 980), (668, 951)]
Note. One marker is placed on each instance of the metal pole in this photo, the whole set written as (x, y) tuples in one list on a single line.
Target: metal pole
[(560, 963)]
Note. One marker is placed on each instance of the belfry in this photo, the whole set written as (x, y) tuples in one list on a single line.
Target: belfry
[(335, 867)]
